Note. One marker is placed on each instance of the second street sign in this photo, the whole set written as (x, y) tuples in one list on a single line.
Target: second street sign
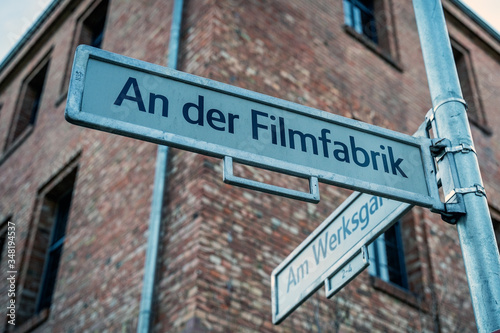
[(338, 241), (125, 96), (336, 252)]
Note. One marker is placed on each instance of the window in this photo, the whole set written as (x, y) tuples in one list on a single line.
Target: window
[(89, 30), (398, 270), (3, 234), (371, 23), (4, 227), (92, 30), (387, 260), (496, 229), (468, 84), (54, 251), (51, 218), (29, 102), (360, 15)]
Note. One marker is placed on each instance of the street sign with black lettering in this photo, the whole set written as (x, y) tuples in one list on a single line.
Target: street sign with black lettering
[(338, 241), (121, 95)]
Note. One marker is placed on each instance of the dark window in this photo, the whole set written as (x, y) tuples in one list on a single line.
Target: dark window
[(496, 228), (2, 243), (92, 31), (89, 30), (465, 84), (51, 218), (360, 15), (371, 22), (30, 99), (3, 237), (54, 251), (468, 85), (387, 260)]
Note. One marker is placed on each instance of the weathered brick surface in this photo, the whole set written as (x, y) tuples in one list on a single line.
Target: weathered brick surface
[(220, 243)]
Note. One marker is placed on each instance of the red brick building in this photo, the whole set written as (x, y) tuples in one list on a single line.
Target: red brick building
[(80, 199)]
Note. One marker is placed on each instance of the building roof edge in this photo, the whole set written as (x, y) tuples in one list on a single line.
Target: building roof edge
[(55, 3), (477, 19), (29, 34)]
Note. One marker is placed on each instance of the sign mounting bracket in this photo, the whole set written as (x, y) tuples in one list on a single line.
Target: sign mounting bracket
[(230, 178), (440, 149)]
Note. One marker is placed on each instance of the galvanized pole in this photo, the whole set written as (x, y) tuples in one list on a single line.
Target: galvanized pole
[(475, 230)]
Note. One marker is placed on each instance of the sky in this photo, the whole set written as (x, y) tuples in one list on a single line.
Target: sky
[(17, 16)]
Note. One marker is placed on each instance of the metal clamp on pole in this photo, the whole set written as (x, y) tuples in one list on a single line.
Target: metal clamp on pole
[(431, 114), (440, 149), (477, 189), (230, 178), (455, 210)]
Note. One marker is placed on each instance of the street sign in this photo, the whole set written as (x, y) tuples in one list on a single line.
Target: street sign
[(121, 95), (335, 244)]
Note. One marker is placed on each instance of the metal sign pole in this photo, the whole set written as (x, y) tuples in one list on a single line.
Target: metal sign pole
[(475, 230)]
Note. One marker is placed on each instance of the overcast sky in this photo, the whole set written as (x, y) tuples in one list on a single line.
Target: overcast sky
[(17, 16)]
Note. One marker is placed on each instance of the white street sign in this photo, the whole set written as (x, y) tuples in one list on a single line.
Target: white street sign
[(329, 249), (121, 95)]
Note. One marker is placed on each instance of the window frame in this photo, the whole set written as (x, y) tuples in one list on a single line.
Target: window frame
[(77, 40), (41, 228), (419, 293), (47, 287), (386, 45), (353, 17), (495, 220), (468, 77), (4, 224), (380, 265), (16, 136)]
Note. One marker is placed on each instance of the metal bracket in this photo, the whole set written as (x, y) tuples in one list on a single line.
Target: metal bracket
[(455, 210), (477, 189), (432, 112), (230, 178), (429, 118), (438, 146), (439, 149), (452, 212)]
